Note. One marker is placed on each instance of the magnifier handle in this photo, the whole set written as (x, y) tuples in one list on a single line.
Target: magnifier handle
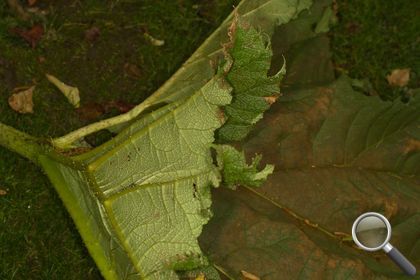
[(401, 261)]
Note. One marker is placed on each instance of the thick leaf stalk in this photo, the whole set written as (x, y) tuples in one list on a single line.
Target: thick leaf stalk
[(20, 142)]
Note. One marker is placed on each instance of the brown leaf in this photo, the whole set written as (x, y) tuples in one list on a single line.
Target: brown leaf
[(92, 34), (121, 106), (322, 178), (3, 192), (32, 2), (249, 276), (93, 111), (22, 101), (399, 77), (32, 36), (90, 111)]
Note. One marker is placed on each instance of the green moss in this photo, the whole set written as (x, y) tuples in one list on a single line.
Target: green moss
[(373, 37)]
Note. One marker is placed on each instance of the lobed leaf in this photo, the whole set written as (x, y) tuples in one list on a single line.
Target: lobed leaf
[(337, 154), (253, 91), (235, 170)]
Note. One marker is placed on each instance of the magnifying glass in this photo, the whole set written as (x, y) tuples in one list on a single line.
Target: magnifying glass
[(371, 231)]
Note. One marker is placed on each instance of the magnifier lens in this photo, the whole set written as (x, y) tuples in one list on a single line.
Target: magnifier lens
[(371, 231)]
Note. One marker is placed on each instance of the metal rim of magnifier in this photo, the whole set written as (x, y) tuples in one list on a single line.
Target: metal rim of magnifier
[(370, 214)]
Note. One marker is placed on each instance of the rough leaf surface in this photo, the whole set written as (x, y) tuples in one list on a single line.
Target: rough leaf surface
[(253, 90), (337, 154), (236, 171), (147, 193)]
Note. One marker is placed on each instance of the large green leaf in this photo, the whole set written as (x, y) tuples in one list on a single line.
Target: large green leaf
[(141, 199), (337, 154)]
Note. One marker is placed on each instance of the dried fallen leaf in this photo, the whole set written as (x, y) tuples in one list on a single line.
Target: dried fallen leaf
[(32, 2), (121, 106), (32, 36), (93, 111), (72, 93), (248, 276), (3, 192), (22, 101), (90, 111), (153, 41), (399, 77), (92, 34)]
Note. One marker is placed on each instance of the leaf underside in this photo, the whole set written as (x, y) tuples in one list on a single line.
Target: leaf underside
[(236, 172), (140, 200), (151, 188), (253, 91)]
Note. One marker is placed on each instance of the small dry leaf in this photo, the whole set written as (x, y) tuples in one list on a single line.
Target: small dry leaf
[(154, 41), (32, 2), (248, 276), (32, 36), (121, 106), (399, 77), (92, 111), (92, 34), (22, 101), (72, 93), (3, 192)]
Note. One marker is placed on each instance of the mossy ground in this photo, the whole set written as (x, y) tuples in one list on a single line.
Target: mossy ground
[(373, 37), (37, 238)]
